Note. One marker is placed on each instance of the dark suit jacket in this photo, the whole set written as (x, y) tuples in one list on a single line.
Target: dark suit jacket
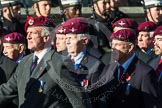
[(7, 68), (42, 89), (154, 64), (89, 65), (143, 56), (142, 92)]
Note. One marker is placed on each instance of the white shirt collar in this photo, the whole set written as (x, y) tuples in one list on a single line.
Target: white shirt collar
[(79, 57), (41, 55)]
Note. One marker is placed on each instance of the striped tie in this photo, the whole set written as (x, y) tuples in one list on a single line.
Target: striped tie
[(34, 63), (121, 71)]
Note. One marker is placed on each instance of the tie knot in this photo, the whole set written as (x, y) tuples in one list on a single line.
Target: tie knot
[(121, 68), (73, 61), (35, 59)]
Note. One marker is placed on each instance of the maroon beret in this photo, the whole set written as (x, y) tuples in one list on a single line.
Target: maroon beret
[(59, 30), (76, 25), (147, 26), (158, 31), (124, 35), (14, 38), (126, 22), (38, 21)]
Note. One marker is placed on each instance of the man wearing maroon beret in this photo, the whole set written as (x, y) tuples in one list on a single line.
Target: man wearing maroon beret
[(130, 83), (84, 58), (14, 45), (145, 40), (156, 63), (60, 41), (125, 23), (37, 79), (158, 50)]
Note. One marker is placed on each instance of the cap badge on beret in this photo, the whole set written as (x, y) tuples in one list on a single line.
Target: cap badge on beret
[(121, 23), (61, 30), (160, 30), (9, 39), (73, 29), (120, 36), (31, 22), (145, 28)]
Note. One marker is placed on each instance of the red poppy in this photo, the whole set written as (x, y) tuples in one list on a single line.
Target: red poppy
[(128, 77)]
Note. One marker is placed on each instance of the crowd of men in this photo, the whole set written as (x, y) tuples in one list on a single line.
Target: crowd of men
[(105, 61)]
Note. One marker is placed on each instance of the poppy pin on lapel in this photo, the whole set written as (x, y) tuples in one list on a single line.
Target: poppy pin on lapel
[(85, 83), (128, 77), (40, 68)]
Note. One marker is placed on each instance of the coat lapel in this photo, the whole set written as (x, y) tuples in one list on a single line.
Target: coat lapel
[(108, 73), (28, 67), (40, 69), (131, 68)]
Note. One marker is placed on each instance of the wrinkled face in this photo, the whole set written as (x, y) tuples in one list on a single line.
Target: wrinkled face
[(60, 42), (34, 39), (75, 44), (155, 14), (102, 7), (44, 8), (71, 12), (11, 51), (144, 41), (120, 50), (158, 45)]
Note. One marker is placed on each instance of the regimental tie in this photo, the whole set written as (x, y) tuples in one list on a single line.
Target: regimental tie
[(159, 69), (73, 61), (121, 71), (75, 65), (34, 63)]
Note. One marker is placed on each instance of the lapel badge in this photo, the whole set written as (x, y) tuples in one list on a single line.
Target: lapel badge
[(40, 68), (128, 77), (41, 86), (84, 83)]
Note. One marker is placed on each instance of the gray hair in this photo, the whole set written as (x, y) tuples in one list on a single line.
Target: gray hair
[(83, 35), (47, 31), (152, 34)]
